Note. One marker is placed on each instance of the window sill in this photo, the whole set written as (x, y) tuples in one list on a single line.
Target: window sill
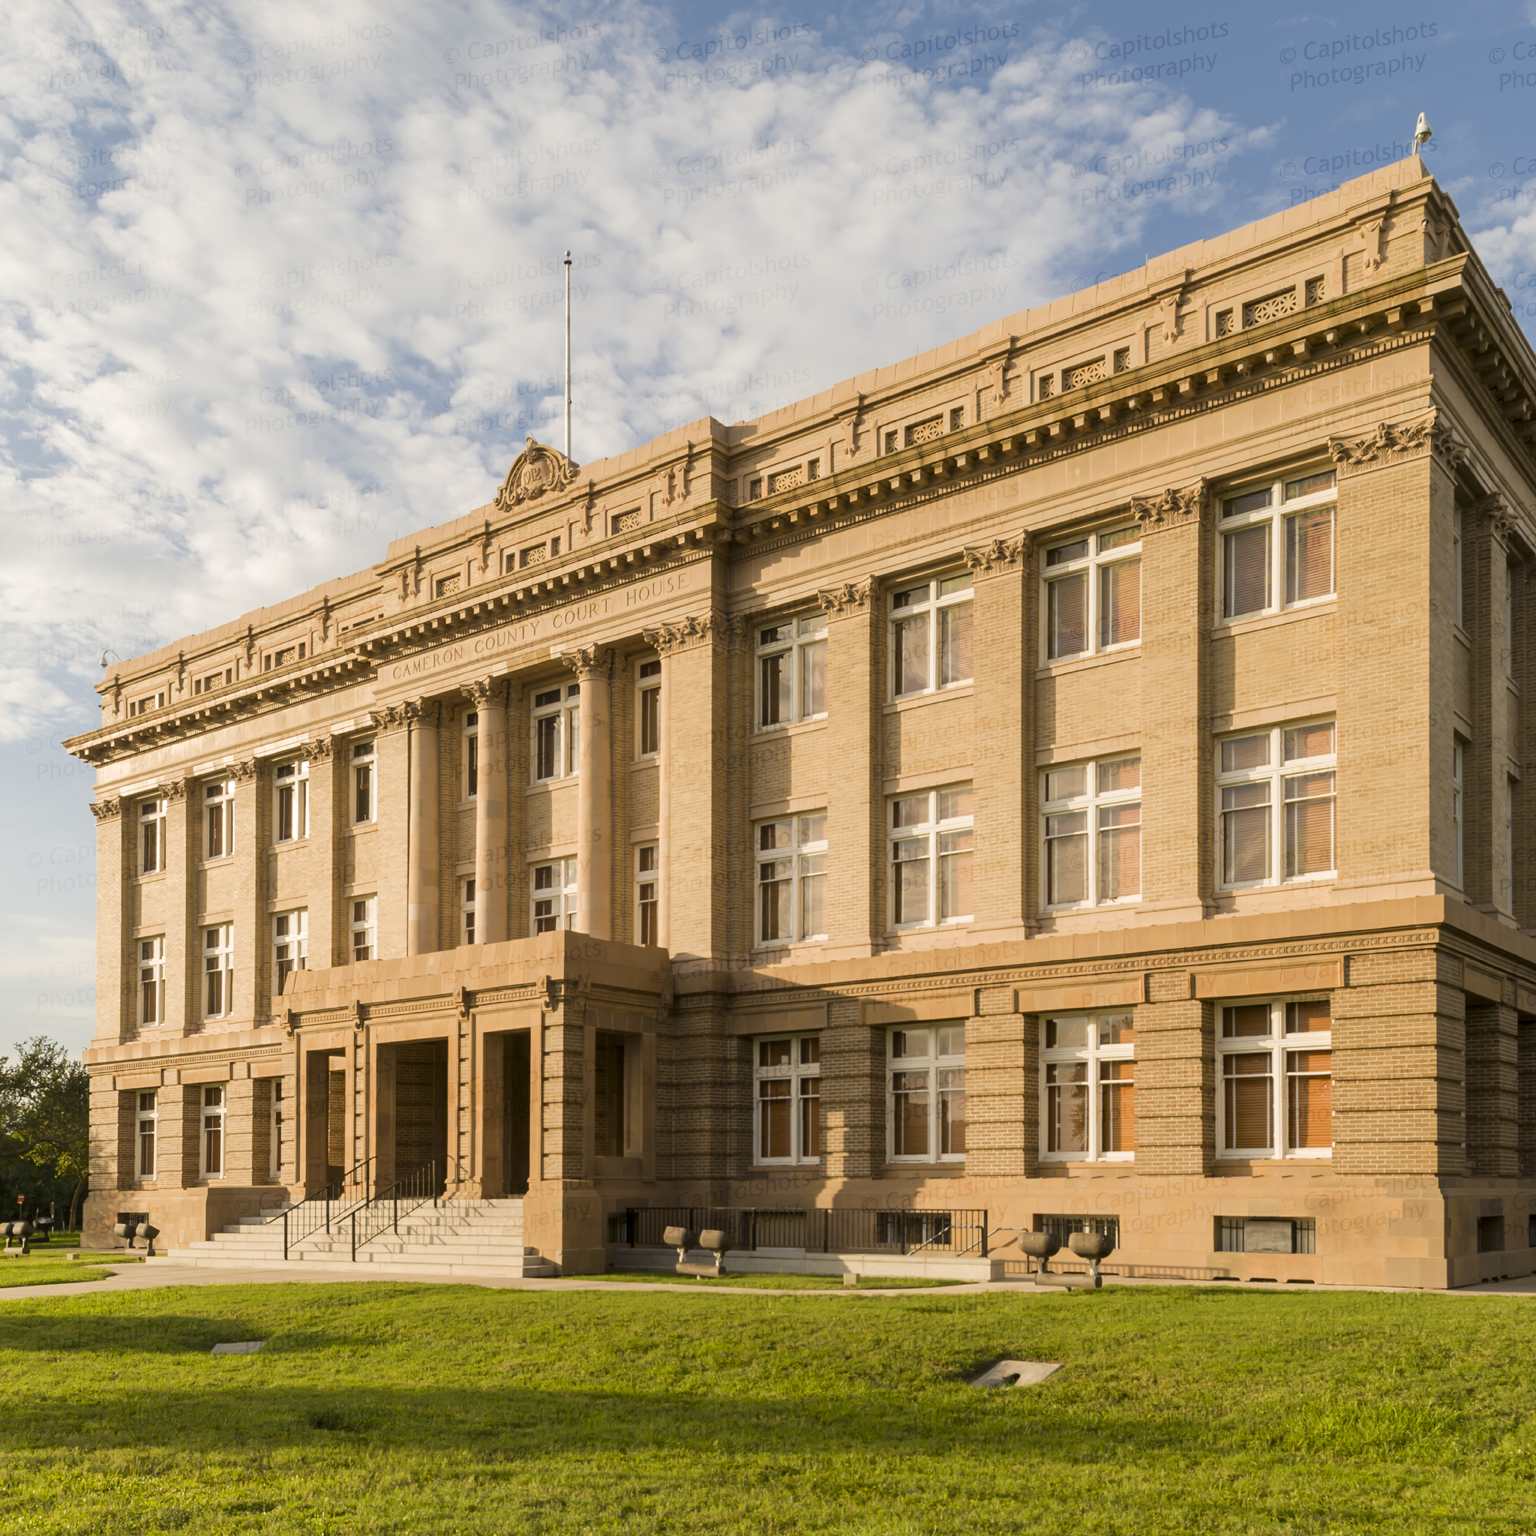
[(223, 858), (150, 878), (1261, 1162), (1069, 664), (939, 695), (548, 784), (1056, 1160), (779, 1163), (790, 728), (289, 842), (1246, 626), (954, 1166)]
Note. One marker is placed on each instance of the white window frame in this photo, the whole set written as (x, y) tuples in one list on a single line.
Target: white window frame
[(152, 822), (151, 962), (801, 1071), (1103, 549), (290, 946), (1275, 1045), (565, 710), (937, 829), (145, 1114), (214, 1112), (363, 929), (1507, 884), (1089, 805), (365, 782), (469, 756), (647, 697), (1097, 1051), (219, 811), (940, 1065), (275, 1130), (798, 643), (290, 777), (934, 607), (467, 924), (1459, 808), (1276, 514), (218, 948), (1274, 773), (648, 893), (557, 895), (804, 850)]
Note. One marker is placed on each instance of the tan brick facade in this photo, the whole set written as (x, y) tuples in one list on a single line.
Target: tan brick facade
[(1146, 730)]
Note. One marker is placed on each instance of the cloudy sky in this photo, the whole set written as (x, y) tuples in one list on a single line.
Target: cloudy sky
[(279, 282)]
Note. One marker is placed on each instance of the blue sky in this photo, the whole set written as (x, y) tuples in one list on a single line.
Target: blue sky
[(280, 283)]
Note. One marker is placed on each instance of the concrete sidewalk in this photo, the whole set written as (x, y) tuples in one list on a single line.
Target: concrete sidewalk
[(147, 1277)]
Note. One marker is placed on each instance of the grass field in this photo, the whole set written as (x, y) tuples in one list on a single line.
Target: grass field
[(749, 1282), (399, 1408), (48, 1264)]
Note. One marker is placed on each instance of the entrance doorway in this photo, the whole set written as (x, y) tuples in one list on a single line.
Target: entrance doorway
[(420, 1107), (515, 1119)]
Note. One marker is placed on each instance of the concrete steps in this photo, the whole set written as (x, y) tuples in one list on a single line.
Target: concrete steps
[(457, 1237)]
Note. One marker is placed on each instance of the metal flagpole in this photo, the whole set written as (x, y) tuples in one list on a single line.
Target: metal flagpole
[(567, 354)]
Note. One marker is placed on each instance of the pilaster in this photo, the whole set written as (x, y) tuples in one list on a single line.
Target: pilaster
[(114, 860), (489, 697), (330, 812), (183, 848), (249, 914), (593, 665)]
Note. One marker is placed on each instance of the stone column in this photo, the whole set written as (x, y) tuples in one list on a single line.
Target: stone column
[(330, 810), (593, 665), (664, 814), (183, 848), (855, 813), (252, 929), (490, 700), (423, 859), (1176, 771), (114, 979), (1001, 741)]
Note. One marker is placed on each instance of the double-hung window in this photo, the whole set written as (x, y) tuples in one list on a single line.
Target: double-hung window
[(290, 810), (931, 629), (218, 970), (556, 732), (471, 755), (1088, 1086), (152, 836), (219, 819), (787, 1099), (1274, 1063), (364, 919), (792, 879), (931, 841), (1458, 809), (147, 1124), (213, 1132), (1092, 833), (925, 1094), (1093, 593), (648, 894), (152, 980), (290, 947), (467, 910), (1276, 791), (554, 895), (364, 790), (792, 671), (1277, 546), (648, 708)]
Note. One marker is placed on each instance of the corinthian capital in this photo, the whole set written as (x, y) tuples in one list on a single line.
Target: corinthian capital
[(590, 662), (1172, 506), (847, 597), (487, 693), (996, 555)]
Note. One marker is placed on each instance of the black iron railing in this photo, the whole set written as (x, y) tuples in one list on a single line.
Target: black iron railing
[(818, 1230), (323, 1208), (383, 1212)]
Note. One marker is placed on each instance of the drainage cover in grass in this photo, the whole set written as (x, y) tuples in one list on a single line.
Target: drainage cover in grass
[(1017, 1373), (246, 1347)]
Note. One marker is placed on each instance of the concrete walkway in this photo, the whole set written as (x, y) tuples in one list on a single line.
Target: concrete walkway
[(148, 1277)]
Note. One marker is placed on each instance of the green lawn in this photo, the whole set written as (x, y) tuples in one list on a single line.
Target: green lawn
[(48, 1264), (399, 1408), (746, 1282)]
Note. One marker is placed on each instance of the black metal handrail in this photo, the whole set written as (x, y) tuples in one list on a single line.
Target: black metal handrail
[(325, 1206), (819, 1229), (383, 1212)]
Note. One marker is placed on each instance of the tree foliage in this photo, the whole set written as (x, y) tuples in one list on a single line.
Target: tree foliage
[(45, 1112)]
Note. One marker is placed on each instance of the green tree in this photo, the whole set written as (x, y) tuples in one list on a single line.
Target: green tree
[(45, 1113)]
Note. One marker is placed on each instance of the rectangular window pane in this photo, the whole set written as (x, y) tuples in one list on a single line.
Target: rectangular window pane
[(1066, 1106), (1119, 852), (547, 747), (952, 1112), (1065, 554), (1118, 776), (1248, 1103), (1245, 752), (1309, 1099), (1120, 603), (1304, 741), (1309, 555), (1245, 833), (1244, 1021), (1309, 1016), (813, 906), (1066, 1034), (775, 1122), (810, 1117), (1066, 858), (775, 893), (955, 637), (775, 685), (1250, 501), (912, 655), (813, 679), (1309, 824), (909, 1093), (1245, 557), (955, 853), (1067, 616), (363, 773), (1067, 783), (909, 891), (1117, 1106)]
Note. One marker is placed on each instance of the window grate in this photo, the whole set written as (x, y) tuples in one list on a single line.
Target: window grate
[(448, 585), (1317, 290), (535, 554), (1085, 374), (1262, 311), (626, 522), (925, 431), (786, 479)]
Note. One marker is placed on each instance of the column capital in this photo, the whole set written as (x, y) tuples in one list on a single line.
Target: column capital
[(847, 597), (174, 790), (590, 663), (107, 810), (1393, 442), (321, 749), (487, 693), (1499, 517), (996, 555), (395, 717), (668, 638), (1171, 507), (244, 771)]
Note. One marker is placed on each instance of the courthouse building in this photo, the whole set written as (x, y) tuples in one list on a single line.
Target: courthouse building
[(1076, 775)]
